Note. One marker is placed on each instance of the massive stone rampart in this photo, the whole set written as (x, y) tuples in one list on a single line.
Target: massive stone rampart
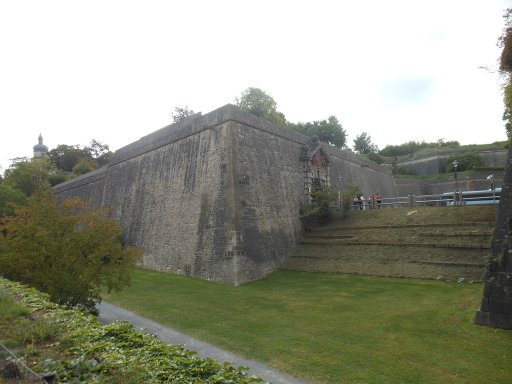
[(433, 165), (216, 196)]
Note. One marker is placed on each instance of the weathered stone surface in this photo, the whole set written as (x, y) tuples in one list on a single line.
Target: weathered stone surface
[(496, 307), (216, 196)]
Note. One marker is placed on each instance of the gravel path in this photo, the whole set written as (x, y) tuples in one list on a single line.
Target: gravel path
[(110, 312)]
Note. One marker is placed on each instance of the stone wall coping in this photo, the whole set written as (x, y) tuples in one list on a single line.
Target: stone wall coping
[(88, 178), (196, 123)]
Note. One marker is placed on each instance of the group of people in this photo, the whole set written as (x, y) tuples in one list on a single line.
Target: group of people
[(374, 201)]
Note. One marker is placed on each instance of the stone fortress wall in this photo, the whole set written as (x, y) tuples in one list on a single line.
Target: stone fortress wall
[(433, 165), (216, 196)]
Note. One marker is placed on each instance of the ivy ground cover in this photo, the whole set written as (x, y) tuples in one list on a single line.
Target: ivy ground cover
[(79, 349)]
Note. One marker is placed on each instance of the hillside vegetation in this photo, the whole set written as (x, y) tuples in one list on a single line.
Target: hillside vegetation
[(79, 349)]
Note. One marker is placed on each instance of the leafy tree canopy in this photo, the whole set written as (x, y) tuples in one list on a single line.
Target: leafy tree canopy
[(329, 131), (10, 197), (363, 144), (180, 113), (65, 157), (259, 103), (69, 251), (465, 161), (98, 152), (28, 176)]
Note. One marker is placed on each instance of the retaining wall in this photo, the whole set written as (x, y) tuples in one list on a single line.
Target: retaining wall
[(216, 196)]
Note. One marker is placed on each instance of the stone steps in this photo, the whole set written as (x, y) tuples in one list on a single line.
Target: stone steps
[(419, 250)]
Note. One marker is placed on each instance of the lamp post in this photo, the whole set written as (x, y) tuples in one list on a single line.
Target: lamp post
[(491, 178), (457, 196), (339, 191)]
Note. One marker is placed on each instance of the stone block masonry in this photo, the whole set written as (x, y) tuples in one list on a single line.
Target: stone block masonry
[(216, 196)]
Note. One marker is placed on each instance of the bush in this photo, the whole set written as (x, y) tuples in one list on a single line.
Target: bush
[(319, 211), (348, 194), (465, 161), (374, 157), (69, 251), (401, 170)]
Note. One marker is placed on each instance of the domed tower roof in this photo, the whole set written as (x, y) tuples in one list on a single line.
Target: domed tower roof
[(40, 149)]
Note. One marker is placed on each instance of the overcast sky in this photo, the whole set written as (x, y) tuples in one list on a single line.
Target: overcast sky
[(114, 70)]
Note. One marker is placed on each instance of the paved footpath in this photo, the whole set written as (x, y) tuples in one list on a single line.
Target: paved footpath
[(110, 313)]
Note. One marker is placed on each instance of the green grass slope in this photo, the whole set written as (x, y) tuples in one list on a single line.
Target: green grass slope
[(420, 242)]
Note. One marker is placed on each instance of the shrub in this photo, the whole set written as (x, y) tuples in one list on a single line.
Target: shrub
[(401, 170), (319, 211), (465, 161), (374, 157), (69, 251), (348, 194)]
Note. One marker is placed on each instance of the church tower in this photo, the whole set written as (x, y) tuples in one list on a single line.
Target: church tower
[(40, 150)]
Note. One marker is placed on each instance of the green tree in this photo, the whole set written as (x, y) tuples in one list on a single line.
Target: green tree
[(374, 157), (320, 210), (10, 197), (65, 157), (465, 161), (69, 251), (363, 144), (259, 103), (27, 175), (84, 166), (98, 152), (181, 113), (348, 194), (57, 177), (328, 131)]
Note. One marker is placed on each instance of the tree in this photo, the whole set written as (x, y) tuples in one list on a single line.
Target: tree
[(363, 144), (9, 197), (349, 192), (259, 103), (69, 250), (84, 166), (98, 152), (329, 131), (65, 157), (465, 161), (320, 210), (28, 176), (181, 113)]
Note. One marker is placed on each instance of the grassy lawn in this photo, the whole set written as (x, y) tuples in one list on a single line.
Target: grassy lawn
[(334, 328)]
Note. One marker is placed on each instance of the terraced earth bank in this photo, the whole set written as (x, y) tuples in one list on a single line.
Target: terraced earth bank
[(450, 243)]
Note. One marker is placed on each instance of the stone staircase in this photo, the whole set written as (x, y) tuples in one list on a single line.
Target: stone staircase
[(450, 243)]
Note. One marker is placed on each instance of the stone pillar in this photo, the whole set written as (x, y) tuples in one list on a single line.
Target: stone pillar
[(496, 307)]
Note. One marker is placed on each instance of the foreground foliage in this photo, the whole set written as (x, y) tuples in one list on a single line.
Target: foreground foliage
[(69, 251), (92, 352)]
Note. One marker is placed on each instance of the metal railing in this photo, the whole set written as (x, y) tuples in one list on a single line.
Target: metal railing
[(436, 200), (14, 370)]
